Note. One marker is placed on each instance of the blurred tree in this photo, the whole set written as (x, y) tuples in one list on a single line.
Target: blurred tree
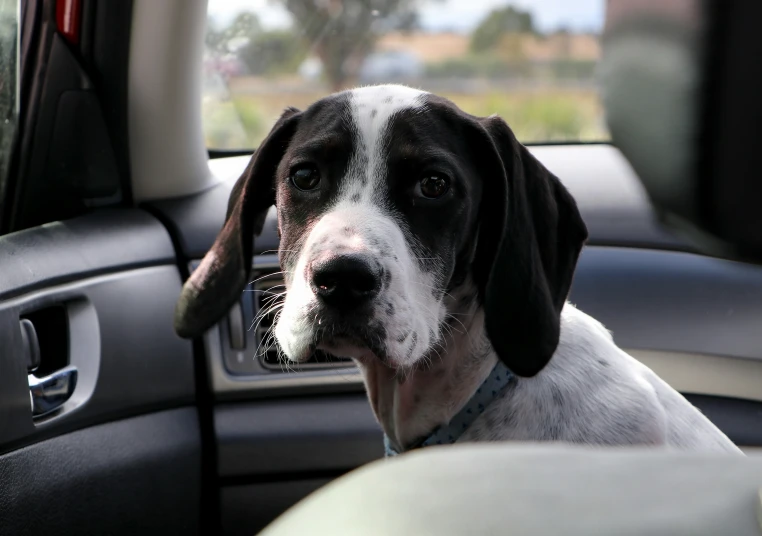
[(273, 52), (492, 30), (343, 32), (262, 52), (244, 27)]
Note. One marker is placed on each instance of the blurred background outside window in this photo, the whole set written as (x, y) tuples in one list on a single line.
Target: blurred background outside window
[(9, 15), (533, 62)]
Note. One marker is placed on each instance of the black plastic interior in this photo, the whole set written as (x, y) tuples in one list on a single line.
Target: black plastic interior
[(51, 334), (130, 459), (73, 151)]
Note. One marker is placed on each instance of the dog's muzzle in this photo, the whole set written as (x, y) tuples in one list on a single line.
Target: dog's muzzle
[(345, 284)]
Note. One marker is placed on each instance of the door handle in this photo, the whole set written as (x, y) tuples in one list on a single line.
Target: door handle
[(49, 393)]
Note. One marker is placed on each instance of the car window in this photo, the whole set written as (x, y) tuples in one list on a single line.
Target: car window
[(9, 15), (532, 62)]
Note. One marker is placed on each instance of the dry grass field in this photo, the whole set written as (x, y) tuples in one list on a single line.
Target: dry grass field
[(537, 115)]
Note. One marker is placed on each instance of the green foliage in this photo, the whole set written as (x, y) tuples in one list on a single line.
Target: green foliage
[(244, 27), (538, 117), (498, 23), (493, 67), (253, 121), (572, 69), (8, 66), (274, 52), (477, 66)]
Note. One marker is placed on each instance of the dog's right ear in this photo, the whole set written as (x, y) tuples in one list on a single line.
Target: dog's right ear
[(224, 272)]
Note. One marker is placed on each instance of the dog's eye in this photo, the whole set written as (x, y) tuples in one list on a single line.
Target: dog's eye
[(306, 177), (433, 186)]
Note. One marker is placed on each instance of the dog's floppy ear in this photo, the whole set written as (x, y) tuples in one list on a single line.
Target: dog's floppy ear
[(224, 272), (530, 236)]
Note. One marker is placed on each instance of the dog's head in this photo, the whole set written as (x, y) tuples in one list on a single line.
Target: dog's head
[(391, 202)]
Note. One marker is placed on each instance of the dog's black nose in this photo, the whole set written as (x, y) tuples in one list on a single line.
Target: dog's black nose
[(346, 281)]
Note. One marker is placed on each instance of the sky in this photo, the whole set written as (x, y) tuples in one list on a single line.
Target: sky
[(451, 15)]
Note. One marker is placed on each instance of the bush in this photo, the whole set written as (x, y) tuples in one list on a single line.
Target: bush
[(252, 120), (492, 67), (477, 66), (274, 52), (544, 116), (570, 69)]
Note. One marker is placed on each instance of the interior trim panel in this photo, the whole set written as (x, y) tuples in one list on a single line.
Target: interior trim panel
[(706, 374), (105, 241), (288, 439), (292, 436), (672, 302), (271, 500), (87, 482), (121, 339)]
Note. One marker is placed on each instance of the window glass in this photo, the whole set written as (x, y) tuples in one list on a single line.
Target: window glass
[(532, 62), (8, 81)]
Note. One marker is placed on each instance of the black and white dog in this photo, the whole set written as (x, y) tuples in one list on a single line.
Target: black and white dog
[(432, 248)]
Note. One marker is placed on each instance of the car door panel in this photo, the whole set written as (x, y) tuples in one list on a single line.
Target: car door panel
[(240, 518), (102, 242), (137, 475), (123, 453), (286, 436), (274, 452)]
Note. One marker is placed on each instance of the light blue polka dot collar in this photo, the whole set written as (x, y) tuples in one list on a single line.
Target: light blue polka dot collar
[(448, 433)]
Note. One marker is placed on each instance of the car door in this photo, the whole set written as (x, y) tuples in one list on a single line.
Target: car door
[(99, 426)]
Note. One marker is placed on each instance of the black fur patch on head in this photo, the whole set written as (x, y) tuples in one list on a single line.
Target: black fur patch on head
[(443, 230), (323, 139)]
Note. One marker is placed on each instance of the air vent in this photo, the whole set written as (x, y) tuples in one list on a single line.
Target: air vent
[(268, 293)]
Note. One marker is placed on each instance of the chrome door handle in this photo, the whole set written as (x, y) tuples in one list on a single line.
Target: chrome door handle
[(49, 393)]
